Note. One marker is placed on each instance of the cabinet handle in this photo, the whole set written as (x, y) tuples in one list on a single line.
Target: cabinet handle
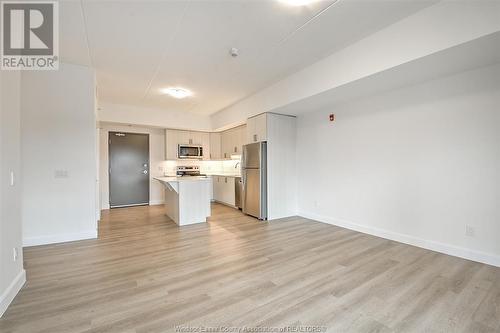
[(235, 149), (190, 141), (255, 138), (225, 180)]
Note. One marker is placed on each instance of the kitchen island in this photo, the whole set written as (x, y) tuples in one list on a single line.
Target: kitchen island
[(187, 199)]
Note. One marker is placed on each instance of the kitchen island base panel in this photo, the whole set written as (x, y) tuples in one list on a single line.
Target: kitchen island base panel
[(187, 202)]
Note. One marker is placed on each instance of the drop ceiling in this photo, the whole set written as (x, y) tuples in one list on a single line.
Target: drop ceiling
[(140, 47)]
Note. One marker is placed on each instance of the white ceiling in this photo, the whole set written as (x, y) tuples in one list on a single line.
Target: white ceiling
[(138, 47)]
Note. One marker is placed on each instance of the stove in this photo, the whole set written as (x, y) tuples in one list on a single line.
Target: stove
[(188, 171)]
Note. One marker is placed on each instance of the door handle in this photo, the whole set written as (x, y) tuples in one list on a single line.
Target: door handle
[(145, 172)]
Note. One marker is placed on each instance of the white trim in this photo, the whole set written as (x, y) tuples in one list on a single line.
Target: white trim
[(131, 205), (156, 202), (457, 251), (8, 295), (60, 238)]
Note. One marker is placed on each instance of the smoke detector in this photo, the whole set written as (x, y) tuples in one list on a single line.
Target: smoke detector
[(234, 52)]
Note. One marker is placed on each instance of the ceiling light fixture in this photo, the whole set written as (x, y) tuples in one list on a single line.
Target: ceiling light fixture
[(297, 3), (177, 92)]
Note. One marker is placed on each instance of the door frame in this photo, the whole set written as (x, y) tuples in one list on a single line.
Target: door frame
[(109, 131)]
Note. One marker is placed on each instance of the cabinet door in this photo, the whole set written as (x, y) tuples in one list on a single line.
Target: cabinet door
[(215, 146), (195, 138), (261, 127), (233, 141), (184, 137), (205, 143), (241, 138), (250, 130), (171, 141), (226, 144), (229, 191), (224, 192)]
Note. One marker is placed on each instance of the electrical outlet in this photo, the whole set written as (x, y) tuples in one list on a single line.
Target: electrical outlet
[(470, 231), (15, 254)]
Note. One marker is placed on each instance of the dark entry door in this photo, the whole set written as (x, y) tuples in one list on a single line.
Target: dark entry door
[(128, 169)]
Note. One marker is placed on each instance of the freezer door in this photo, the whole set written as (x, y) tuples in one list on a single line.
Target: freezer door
[(251, 192), (251, 156)]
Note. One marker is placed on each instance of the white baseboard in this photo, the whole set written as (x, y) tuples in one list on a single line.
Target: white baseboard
[(8, 295), (156, 202), (457, 251), (61, 238)]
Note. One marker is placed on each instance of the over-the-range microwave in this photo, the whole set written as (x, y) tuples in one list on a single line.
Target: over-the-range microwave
[(190, 152)]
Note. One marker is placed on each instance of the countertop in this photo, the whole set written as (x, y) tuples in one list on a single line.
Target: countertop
[(221, 174), (181, 179)]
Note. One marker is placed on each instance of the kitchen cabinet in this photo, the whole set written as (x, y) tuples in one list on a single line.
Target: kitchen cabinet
[(256, 129), (205, 143), (224, 190), (175, 137), (232, 141), (226, 143), (215, 146), (171, 142)]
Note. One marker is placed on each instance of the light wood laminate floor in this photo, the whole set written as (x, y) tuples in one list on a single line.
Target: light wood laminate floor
[(145, 274)]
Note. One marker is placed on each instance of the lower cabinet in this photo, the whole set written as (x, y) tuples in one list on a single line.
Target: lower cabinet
[(224, 190)]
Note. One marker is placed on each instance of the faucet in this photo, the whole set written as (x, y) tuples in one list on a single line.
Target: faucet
[(237, 164)]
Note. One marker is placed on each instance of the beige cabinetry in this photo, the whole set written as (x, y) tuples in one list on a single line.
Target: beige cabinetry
[(224, 190), (175, 137), (215, 146), (232, 141), (256, 129)]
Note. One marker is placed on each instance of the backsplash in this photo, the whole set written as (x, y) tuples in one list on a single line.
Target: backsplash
[(206, 167)]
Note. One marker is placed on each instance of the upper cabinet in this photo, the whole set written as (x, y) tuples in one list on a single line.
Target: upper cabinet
[(215, 146), (205, 143), (171, 142), (256, 129), (232, 141), (175, 137)]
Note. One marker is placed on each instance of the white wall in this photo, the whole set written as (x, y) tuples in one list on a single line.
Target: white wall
[(136, 115), (12, 274), (428, 31), (58, 129), (156, 159), (416, 165)]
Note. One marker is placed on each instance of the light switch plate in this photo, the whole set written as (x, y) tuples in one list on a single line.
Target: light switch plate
[(12, 178), (61, 174)]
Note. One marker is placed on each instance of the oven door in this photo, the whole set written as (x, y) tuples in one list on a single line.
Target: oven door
[(190, 152)]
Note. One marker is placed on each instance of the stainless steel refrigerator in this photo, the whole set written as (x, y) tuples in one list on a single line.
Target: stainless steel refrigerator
[(254, 178)]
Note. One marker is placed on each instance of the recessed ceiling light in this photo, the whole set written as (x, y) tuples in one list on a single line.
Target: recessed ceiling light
[(297, 2), (177, 92)]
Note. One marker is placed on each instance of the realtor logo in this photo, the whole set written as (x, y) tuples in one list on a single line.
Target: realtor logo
[(30, 35)]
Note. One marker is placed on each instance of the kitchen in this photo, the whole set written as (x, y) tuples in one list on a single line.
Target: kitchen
[(235, 163)]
